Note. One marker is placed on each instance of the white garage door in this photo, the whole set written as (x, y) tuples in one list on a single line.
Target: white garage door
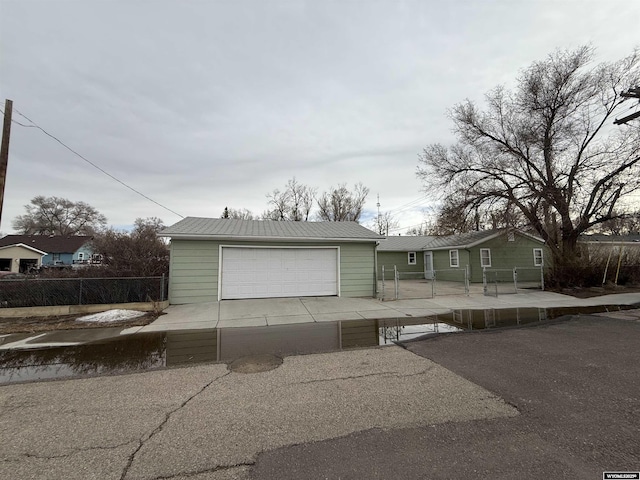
[(278, 272)]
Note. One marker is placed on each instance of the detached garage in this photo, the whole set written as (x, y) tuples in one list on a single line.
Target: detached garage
[(224, 259)]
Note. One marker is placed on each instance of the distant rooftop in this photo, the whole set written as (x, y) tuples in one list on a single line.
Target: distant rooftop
[(229, 228), (403, 243), (48, 243)]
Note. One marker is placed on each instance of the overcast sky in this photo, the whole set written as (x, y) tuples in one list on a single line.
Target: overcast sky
[(205, 104)]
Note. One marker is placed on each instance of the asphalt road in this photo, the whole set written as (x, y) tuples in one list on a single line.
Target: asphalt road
[(553, 401), (575, 383)]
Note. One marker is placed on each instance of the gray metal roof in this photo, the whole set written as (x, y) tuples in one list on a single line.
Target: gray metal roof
[(462, 240), (403, 244), (471, 239), (230, 229)]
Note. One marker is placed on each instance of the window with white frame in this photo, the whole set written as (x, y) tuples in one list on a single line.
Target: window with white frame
[(411, 258), (538, 258), (485, 257), (454, 261), (80, 255)]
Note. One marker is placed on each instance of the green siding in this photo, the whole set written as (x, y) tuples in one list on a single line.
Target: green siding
[(504, 255), (193, 272), (442, 265), (194, 268), (401, 261)]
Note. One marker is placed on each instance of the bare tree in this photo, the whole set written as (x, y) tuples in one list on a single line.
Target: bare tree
[(239, 214), (294, 203), (342, 205), (153, 224), (627, 224), (58, 216), (383, 223), (138, 253), (421, 230), (548, 149)]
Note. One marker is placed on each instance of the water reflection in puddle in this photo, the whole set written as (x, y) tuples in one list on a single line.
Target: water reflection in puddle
[(107, 351)]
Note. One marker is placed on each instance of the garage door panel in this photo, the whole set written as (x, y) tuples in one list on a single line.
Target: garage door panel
[(278, 272)]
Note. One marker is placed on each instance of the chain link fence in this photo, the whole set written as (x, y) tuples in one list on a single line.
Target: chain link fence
[(500, 281), (41, 292), (397, 285)]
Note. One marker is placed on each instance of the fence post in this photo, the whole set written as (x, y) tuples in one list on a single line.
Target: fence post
[(433, 285), (515, 278), (80, 293), (484, 281), (382, 282), (466, 279), (162, 289), (395, 281), (542, 276)]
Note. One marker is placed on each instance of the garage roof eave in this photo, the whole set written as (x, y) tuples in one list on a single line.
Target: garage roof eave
[(266, 239)]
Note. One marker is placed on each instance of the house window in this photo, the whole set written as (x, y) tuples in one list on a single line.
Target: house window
[(511, 237), (56, 257), (485, 257), (412, 258), (81, 256), (538, 258), (453, 258)]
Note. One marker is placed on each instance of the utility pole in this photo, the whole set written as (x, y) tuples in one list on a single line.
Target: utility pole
[(4, 150), (378, 221)]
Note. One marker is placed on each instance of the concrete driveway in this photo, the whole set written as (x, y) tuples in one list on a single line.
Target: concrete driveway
[(279, 311)]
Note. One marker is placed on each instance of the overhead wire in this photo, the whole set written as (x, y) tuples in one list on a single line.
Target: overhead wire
[(35, 125)]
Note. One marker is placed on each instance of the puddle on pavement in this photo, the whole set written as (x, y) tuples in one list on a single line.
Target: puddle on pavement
[(108, 351)]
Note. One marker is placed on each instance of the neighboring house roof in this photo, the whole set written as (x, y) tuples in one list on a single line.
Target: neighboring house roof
[(23, 246), (48, 243), (611, 239), (463, 240), (232, 229), (403, 244)]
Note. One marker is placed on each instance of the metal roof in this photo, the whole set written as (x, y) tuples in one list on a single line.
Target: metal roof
[(403, 244), (233, 229), (463, 240)]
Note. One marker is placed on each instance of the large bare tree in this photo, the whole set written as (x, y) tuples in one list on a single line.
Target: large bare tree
[(59, 216), (547, 148), (342, 205), (294, 203)]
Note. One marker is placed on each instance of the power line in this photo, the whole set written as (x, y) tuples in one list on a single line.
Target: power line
[(407, 206), (35, 125)]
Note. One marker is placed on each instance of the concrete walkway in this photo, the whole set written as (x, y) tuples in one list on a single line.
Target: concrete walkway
[(280, 311)]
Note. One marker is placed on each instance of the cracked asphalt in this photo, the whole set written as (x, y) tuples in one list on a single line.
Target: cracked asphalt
[(558, 400), (205, 422)]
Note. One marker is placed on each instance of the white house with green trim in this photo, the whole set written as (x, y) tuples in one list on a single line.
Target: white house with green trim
[(216, 259)]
